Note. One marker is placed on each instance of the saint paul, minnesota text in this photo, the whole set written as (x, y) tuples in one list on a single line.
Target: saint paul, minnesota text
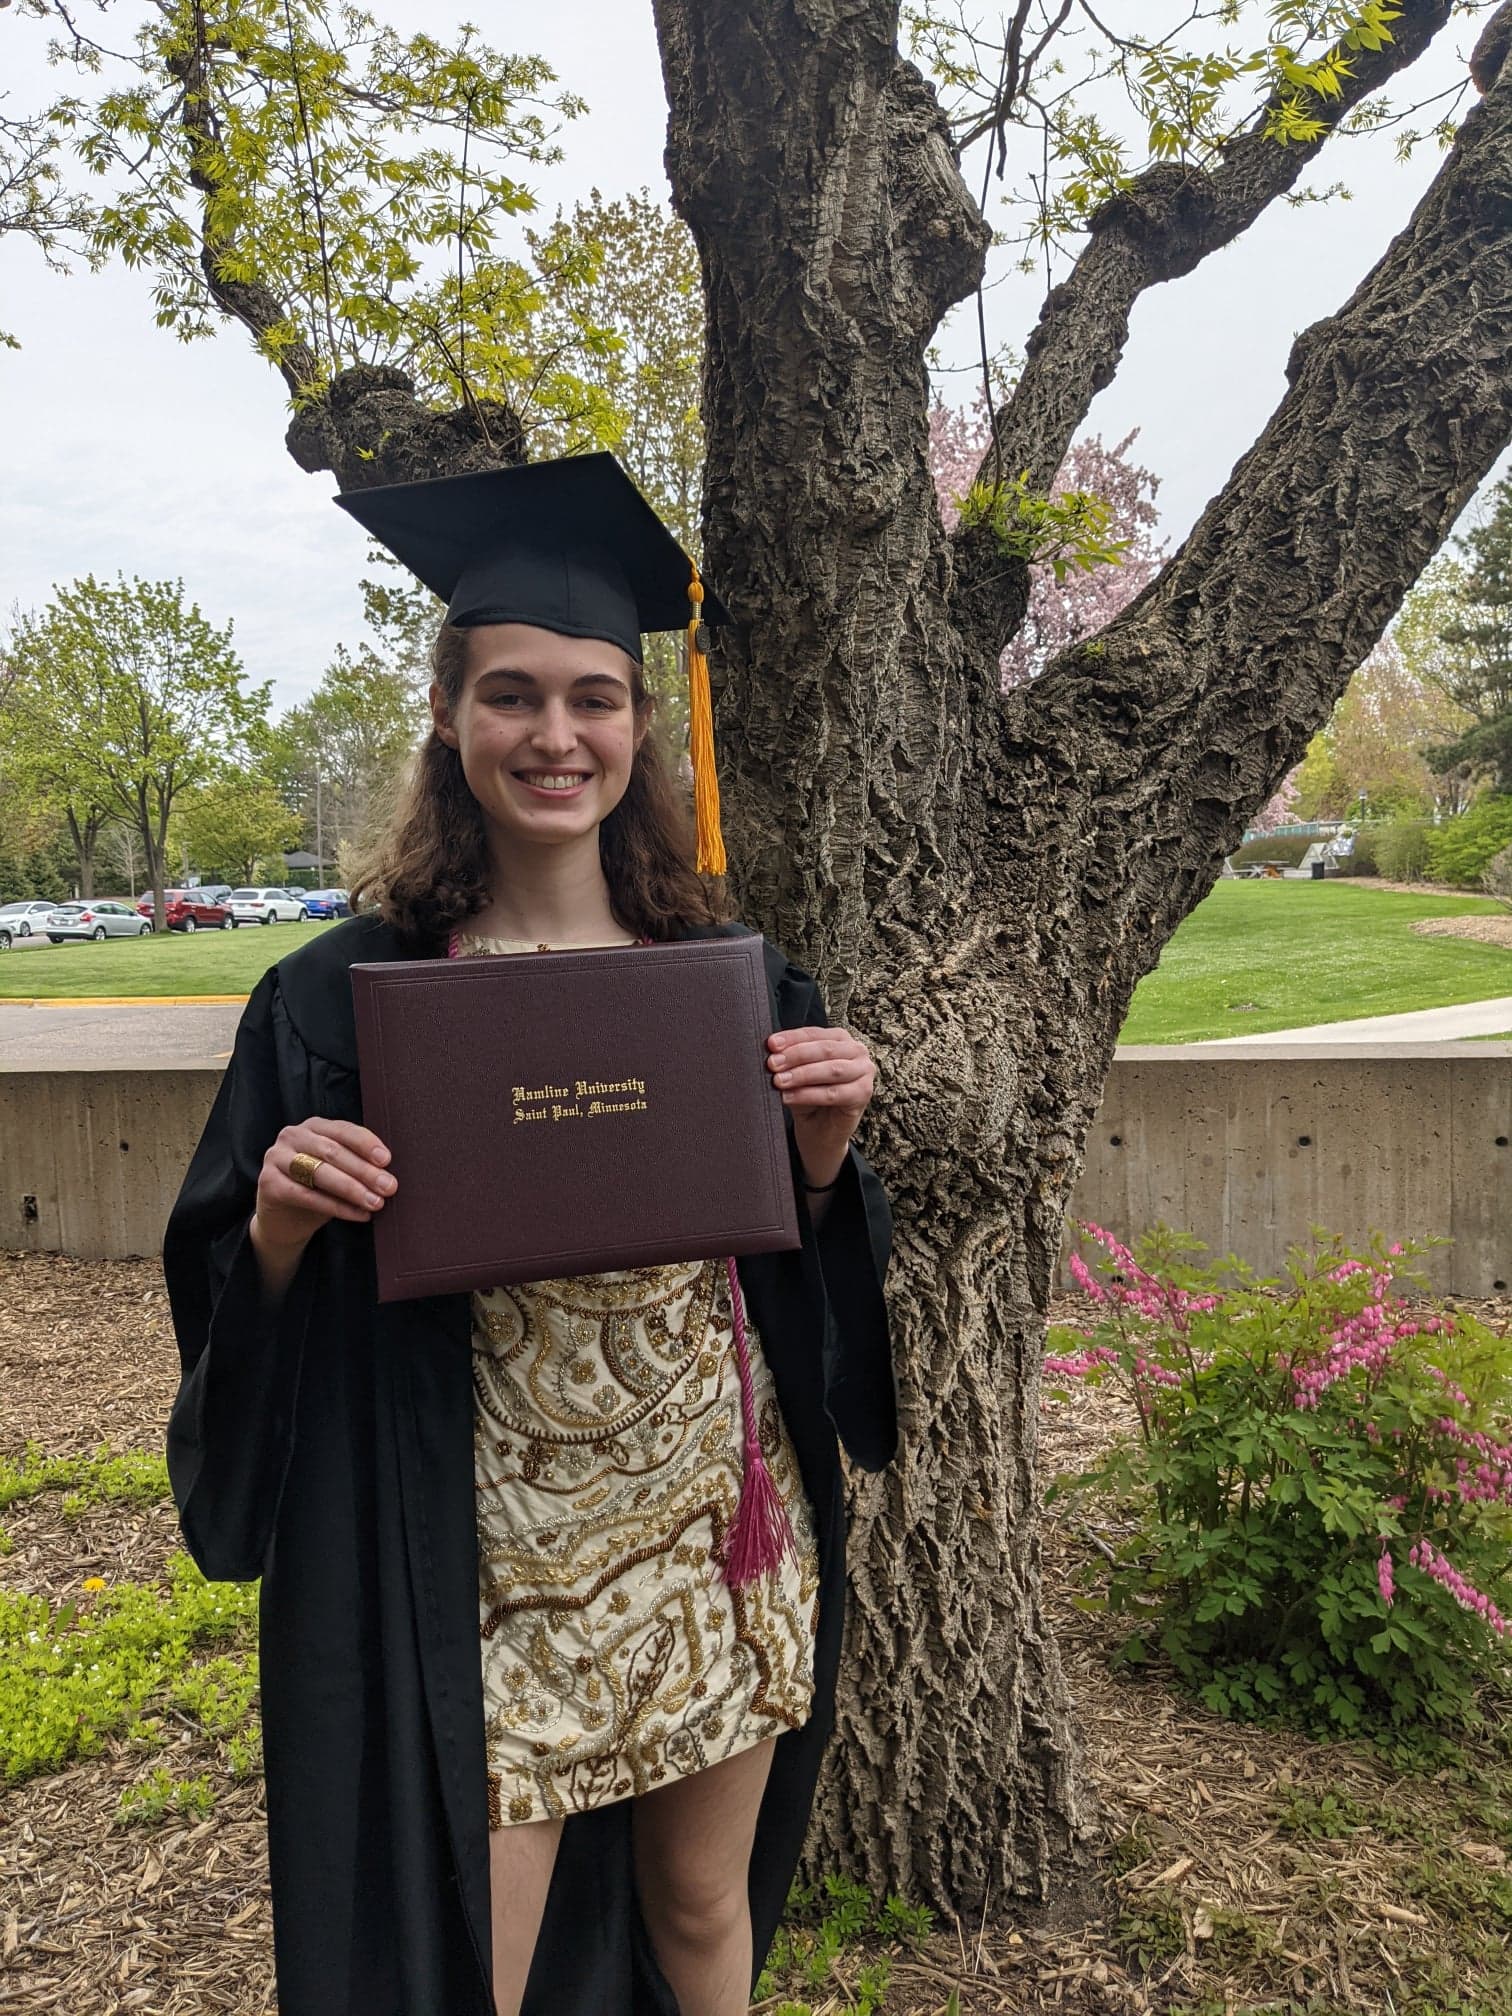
[(584, 1099)]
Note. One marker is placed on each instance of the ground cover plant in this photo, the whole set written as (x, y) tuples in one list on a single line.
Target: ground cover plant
[(1255, 956), (1318, 1497), (208, 962)]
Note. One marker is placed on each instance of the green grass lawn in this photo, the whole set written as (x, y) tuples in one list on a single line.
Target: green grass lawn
[(1280, 955), (209, 962), (1254, 956)]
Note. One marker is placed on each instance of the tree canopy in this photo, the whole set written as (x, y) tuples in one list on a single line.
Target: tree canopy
[(126, 697)]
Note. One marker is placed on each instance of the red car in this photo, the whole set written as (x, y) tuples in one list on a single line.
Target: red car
[(187, 911)]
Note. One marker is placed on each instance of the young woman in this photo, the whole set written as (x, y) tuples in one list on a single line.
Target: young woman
[(532, 1742)]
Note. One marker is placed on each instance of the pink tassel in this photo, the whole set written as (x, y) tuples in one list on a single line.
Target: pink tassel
[(761, 1532)]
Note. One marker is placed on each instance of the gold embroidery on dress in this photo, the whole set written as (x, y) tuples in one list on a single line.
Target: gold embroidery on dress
[(608, 1445)]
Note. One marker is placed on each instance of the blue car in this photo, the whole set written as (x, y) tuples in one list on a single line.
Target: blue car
[(326, 902)]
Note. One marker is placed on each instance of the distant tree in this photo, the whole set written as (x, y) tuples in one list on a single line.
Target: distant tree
[(134, 698), (39, 790), (338, 755), (1318, 786), (1072, 593), (36, 854), (1281, 810), (225, 826), (1386, 721), (633, 281), (1375, 745), (1475, 670)]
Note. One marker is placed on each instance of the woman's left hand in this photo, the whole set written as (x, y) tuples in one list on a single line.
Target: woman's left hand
[(826, 1078)]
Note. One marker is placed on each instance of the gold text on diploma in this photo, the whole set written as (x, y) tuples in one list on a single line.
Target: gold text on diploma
[(563, 1102)]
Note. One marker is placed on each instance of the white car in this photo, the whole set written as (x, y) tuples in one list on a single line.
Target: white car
[(23, 918), (265, 906)]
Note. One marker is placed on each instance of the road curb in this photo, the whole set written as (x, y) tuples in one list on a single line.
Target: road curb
[(123, 1000)]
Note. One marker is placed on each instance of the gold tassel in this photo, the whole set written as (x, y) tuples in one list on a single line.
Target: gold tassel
[(711, 853)]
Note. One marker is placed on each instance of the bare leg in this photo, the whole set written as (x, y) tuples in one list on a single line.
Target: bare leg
[(520, 1862), (692, 1861)]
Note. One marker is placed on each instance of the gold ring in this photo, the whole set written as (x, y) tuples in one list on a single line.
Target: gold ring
[(302, 1168)]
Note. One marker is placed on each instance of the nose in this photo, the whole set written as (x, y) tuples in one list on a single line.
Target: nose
[(555, 732)]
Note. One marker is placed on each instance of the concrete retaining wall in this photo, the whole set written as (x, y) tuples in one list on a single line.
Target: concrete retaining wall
[(1245, 1149), (90, 1161), (1248, 1149)]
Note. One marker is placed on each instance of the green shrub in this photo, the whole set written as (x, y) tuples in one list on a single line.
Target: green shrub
[(1320, 1482), (1287, 848), (135, 1478), (1460, 850), (1401, 849), (1496, 876), (244, 1752), (1362, 859), (70, 1679), (144, 1805), (817, 1927)]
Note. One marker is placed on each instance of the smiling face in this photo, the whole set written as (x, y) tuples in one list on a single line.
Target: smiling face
[(547, 729)]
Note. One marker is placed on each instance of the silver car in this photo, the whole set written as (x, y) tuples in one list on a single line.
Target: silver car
[(94, 920)]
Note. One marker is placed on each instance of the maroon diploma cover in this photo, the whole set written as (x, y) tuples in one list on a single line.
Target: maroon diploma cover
[(563, 1113)]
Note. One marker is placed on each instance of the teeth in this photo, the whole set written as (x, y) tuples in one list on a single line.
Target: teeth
[(551, 780)]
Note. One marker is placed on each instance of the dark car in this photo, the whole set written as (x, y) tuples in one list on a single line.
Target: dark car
[(327, 903), (189, 910)]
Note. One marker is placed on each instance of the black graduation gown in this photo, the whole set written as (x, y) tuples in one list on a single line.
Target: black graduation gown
[(328, 1448)]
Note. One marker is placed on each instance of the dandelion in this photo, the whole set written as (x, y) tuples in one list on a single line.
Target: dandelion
[(94, 1582)]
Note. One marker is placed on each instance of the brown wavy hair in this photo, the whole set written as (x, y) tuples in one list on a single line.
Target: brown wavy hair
[(428, 872)]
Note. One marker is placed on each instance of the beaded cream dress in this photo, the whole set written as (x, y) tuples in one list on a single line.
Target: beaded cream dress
[(608, 1439)]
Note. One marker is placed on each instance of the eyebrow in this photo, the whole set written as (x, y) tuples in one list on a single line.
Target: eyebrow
[(529, 678)]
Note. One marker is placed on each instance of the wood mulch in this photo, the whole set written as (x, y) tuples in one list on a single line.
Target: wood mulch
[(1479, 930), (1220, 1889)]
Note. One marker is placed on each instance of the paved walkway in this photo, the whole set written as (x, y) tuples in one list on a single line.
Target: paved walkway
[(144, 1032), (1421, 1025)]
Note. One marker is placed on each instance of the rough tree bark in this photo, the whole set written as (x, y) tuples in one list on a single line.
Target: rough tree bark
[(981, 879)]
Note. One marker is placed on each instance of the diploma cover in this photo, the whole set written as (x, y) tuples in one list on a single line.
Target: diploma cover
[(572, 1112)]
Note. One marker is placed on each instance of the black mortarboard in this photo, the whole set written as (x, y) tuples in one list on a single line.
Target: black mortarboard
[(570, 546)]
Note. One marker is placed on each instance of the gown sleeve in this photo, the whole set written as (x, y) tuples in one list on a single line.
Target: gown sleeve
[(853, 1244), (231, 1431)]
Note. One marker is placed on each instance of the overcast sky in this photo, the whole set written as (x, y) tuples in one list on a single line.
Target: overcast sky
[(126, 450)]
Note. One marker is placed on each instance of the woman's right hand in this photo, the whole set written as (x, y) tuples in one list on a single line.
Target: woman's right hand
[(351, 1183)]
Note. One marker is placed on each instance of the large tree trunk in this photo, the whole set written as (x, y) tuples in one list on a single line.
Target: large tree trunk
[(981, 879), (864, 785)]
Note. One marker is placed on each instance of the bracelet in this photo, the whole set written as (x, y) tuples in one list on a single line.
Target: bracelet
[(818, 1188)]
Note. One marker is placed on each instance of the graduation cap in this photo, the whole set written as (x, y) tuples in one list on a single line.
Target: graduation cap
[(570, 546)]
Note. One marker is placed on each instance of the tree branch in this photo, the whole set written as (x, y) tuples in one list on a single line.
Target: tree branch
[(255, 306), (1165, 224), (1159, 738)]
